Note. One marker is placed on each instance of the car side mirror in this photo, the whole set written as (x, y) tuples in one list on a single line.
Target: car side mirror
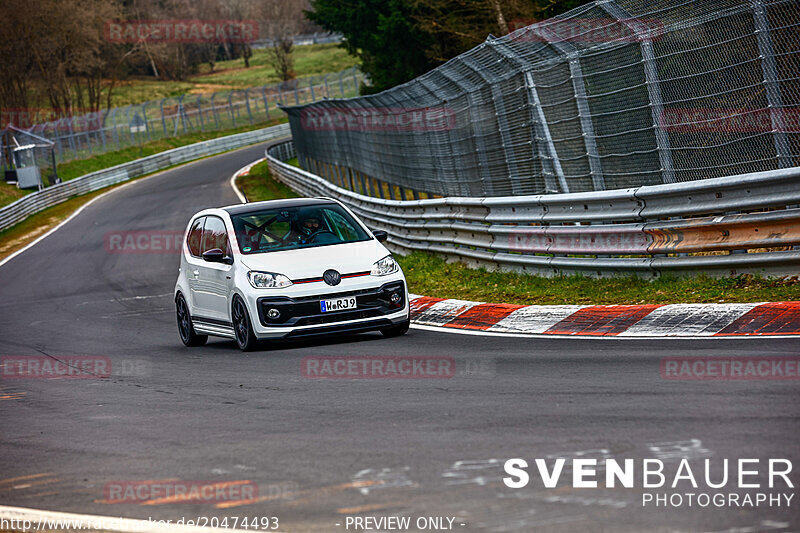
[(380, 235), (215, 255)]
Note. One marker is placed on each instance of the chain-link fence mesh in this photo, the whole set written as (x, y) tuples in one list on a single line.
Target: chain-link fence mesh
[(613, 94), (82, 136)]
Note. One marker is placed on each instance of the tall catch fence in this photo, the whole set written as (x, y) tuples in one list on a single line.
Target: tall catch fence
[(81, 136), (612, 95)]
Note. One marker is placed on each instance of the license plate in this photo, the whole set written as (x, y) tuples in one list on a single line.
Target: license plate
[(339, 304)]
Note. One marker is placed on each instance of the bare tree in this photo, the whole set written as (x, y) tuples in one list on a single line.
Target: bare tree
[(281, 21)]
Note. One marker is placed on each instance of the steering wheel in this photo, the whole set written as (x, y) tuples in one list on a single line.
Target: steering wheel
[(313, 237)]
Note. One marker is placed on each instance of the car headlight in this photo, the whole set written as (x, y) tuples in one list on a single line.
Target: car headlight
[(268, 280), (385, 266)]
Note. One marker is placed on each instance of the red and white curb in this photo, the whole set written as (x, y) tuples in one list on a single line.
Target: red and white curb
[(672, 320)]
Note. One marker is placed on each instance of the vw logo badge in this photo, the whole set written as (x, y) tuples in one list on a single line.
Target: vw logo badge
[(331, 277)]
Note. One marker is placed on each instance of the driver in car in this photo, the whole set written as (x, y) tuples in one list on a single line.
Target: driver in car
[(307, 225)]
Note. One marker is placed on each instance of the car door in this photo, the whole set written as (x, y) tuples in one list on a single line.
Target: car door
[(194, 242), (214, 279)]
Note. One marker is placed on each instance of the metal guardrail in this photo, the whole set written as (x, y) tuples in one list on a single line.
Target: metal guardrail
[(645, 230), (610, 95), (38, 201)]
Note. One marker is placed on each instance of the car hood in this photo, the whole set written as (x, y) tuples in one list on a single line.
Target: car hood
[(312, 262)]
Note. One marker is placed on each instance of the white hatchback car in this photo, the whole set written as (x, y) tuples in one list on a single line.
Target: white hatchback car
[(286, 269)]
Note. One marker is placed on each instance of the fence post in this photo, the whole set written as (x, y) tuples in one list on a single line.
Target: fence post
[(146, 124), (477, 136), (266, 103), (199, 113), (502, 122), (247, 104), (231, 110), (771, 84), (214, 111), (653, 86), (163, 117), (584, 113)]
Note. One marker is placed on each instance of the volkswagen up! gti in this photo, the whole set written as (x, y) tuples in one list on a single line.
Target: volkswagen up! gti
[(286, 269)]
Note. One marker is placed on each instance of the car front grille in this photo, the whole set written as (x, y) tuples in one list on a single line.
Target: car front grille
[(305, 311)]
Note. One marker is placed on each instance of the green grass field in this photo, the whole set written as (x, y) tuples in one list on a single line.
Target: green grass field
[(432, 276), (309, 60)]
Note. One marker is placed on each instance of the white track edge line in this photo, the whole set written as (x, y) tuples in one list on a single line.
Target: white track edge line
[(443, 329), (106, 523), (63, 222)]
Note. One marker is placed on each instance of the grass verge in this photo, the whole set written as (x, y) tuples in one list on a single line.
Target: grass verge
[(19, 235), (432, 276), (258, 185)]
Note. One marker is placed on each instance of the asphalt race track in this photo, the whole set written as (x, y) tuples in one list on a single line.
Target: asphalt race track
[(324, 449)]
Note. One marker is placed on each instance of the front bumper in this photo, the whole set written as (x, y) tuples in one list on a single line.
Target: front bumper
[(301, 315)]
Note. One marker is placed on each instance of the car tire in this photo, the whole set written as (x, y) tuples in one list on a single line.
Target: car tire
[(396, 331), (242, 329), (189, 336)]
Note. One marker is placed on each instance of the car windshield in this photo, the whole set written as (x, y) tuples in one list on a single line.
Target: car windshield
[(288, 228)]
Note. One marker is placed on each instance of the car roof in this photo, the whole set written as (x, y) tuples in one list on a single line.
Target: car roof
[(241, 209)]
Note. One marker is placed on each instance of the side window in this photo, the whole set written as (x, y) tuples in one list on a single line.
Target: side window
[(340, 226), (195, 234), (215, 235)]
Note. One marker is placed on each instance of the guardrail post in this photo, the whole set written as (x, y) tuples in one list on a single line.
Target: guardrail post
[(653, 86), (381, 194), (214, 111), (771, 85)]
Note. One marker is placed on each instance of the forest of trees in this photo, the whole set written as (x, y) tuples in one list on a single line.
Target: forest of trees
[(398, 40), (58, 54)]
